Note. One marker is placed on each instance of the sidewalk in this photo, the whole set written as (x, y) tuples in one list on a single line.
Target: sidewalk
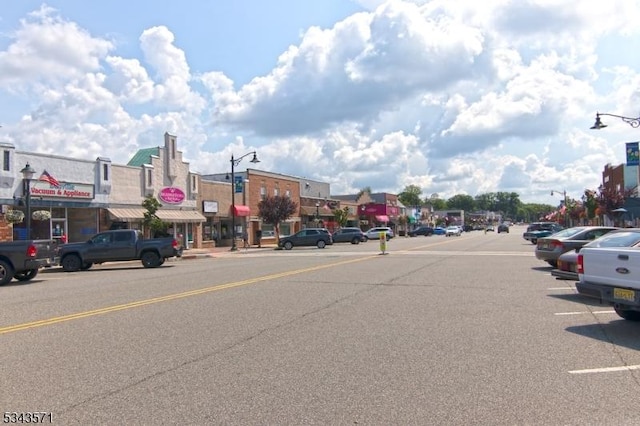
[(199, 253)]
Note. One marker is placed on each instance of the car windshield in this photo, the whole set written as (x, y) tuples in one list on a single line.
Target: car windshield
[(616, 239), (570, 232)]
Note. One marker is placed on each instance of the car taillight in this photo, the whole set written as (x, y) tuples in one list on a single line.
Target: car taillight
[(32, 251), (174, 244), (580, 269), (557, 244)]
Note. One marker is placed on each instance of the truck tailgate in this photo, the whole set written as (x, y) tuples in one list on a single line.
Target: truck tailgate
[(615, 266)]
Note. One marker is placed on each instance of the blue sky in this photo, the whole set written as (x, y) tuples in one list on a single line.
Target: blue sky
[(455, 97)]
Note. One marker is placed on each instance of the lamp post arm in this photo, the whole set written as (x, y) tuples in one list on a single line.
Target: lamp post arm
[(632, 121), (236, 161)]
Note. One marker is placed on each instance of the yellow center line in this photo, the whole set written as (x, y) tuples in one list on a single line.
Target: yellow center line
[(175, 296)]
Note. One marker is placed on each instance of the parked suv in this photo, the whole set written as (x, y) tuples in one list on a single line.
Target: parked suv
[(421, 230), (349, 235), (374, 233), (319, 237)]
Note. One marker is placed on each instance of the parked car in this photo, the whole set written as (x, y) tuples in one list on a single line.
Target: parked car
[(540, 230), (439, 230), (374, 233), (421, 230), (489, 228), (319, 237), (351, 235), (503, 227), (550, 248), (567, 264), (452, 231), (612, 276)]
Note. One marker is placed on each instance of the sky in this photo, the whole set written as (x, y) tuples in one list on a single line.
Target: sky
[(455, 97)]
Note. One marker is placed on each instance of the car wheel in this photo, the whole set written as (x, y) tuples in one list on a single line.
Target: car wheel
[(150, 259), (355, 241), (26, 275), (86, 266), (6, 272), (288, 245), (534, 241), (321, 244), (71, 263), (627, 314), (366, 238)]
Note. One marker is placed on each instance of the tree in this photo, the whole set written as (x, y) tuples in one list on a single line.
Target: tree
[(411, 196), (276, 209), (590, 202), (462, 202), (341, 216), (610, 199), (152, 222), (437, 203), (365, 190)]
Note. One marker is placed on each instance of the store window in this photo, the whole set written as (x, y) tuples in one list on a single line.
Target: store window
[(6, 161)]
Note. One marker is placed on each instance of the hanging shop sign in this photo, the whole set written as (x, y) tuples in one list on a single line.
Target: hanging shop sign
[(171, 195)]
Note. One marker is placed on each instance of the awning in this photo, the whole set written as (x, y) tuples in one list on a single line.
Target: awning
[(382, 218), (241, 211), (127, 214), (180, 216), (136, 214)]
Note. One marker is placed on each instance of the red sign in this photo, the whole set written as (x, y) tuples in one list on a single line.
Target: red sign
[(171, 195)]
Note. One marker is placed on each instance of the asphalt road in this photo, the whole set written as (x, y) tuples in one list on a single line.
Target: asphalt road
[(438, 331)]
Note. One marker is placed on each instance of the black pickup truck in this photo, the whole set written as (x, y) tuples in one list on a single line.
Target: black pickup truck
[(117, 245), (23, 259)]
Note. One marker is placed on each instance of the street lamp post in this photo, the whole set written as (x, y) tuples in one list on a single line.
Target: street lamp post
[(27, 175), (317, 213), (244, 203), (566, 207), (633, 122), (234, 163)]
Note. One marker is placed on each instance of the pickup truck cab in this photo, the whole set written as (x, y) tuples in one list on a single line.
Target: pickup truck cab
[(612, 275), (117, 245)]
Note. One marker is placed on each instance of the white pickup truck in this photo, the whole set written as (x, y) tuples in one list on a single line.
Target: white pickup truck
[(612, 275)]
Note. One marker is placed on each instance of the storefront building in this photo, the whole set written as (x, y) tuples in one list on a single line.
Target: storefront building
[(383, 210), (161, 173), (251, 187), (65, 196), (215, 203)]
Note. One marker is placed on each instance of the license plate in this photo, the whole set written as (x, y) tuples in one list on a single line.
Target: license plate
[(622, 294)]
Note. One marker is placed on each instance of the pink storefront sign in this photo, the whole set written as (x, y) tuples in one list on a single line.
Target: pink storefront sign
[(171, 195)]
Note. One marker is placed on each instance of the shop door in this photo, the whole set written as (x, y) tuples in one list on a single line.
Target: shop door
[(59, 230)]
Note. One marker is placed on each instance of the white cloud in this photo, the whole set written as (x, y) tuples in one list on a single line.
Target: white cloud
[(48, 48), (456, 97)]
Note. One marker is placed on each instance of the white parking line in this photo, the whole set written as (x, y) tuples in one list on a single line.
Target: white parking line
[(606, 369), (585, 312)]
